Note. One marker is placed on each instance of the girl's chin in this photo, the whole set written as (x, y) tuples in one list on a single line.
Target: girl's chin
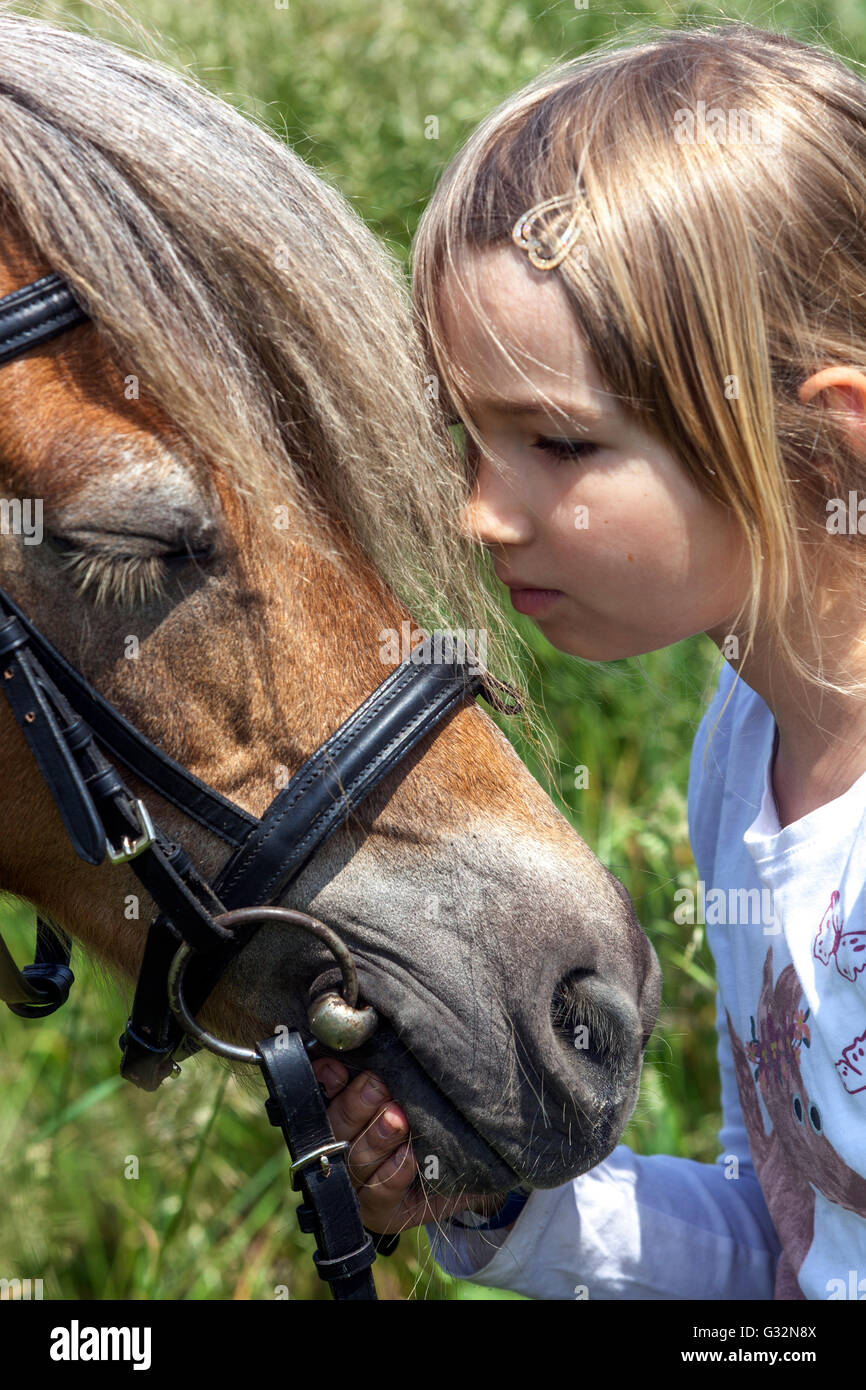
[(574, 642)]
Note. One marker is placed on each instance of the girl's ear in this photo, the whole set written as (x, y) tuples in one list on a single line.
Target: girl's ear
[(846, 393)]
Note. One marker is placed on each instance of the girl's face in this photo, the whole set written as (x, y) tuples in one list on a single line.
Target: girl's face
[(593, 525)]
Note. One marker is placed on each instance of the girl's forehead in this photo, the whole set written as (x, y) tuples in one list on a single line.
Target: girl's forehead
[(501, 279), (508, 325)]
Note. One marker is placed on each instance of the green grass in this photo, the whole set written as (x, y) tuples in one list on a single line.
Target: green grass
[(352, 87)]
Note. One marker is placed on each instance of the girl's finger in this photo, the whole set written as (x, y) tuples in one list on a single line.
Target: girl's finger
[(358, 1113), (385, 1132), (332, 1074), (386, 1205)]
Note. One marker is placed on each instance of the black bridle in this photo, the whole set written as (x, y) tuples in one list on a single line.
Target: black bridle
[(200, 927)]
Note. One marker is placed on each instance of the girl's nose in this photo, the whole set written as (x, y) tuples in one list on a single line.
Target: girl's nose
[(495, 513)]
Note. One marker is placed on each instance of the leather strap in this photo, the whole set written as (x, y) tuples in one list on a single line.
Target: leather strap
[(412, 701), (38, 989), (159, 771), (97, 808), (330, 1211), (153, 1037), (31, 706), (35, 313), (99, 811)]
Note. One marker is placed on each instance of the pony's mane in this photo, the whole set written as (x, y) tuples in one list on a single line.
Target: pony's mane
[(258, 311)]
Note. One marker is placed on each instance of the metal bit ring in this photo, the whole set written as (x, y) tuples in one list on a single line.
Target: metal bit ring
[(334, 1019)]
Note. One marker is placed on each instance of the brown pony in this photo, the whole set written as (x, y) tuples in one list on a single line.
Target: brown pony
[(243, 491)]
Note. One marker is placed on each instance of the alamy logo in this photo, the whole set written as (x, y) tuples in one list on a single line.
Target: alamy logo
[(713, 907), (22, 516), (76, 1343), (437, 648), (20, 1289), (727, 126)]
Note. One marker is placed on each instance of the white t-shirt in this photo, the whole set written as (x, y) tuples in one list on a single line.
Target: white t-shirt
[(782, 1211)]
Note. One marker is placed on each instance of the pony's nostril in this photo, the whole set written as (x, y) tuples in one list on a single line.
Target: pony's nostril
[(568, 1014), (593, 1021)]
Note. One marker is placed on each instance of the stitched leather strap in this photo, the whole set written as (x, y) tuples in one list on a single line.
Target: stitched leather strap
[(331, 1211), (127, 743), (32, 708), (35, 313), (98, 812), (414, 700)]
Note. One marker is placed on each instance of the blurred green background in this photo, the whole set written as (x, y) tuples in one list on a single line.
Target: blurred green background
[(210, 1214)]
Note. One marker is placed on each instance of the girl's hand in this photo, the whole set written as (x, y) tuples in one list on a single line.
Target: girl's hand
[(381, 1162)]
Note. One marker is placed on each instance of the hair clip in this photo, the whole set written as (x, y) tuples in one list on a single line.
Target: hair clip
[(531, 242)]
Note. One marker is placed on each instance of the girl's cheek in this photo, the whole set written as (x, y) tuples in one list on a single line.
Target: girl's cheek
[(621, 528)]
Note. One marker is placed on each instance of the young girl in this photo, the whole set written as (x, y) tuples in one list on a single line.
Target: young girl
[(643, 283)]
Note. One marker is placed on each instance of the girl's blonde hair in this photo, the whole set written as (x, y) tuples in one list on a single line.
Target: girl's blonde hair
[(711, 202)]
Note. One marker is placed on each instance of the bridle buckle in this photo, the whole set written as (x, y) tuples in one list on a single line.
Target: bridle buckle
[(319, 1156), (129, 848)]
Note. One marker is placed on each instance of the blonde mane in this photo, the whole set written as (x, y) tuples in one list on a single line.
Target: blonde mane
[(254, 307)]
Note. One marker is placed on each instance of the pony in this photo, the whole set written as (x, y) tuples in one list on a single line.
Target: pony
[(244, 491)]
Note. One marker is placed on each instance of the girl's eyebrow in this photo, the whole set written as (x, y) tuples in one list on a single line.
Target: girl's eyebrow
[(504, 405)]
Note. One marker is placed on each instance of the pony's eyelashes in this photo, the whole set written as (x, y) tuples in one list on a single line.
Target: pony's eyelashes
[(125, 577)]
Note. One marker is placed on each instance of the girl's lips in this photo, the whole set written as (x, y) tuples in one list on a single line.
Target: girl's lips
[(533, 601)]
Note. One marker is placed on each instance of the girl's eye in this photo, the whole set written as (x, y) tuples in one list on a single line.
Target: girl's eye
[(566, 448)]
